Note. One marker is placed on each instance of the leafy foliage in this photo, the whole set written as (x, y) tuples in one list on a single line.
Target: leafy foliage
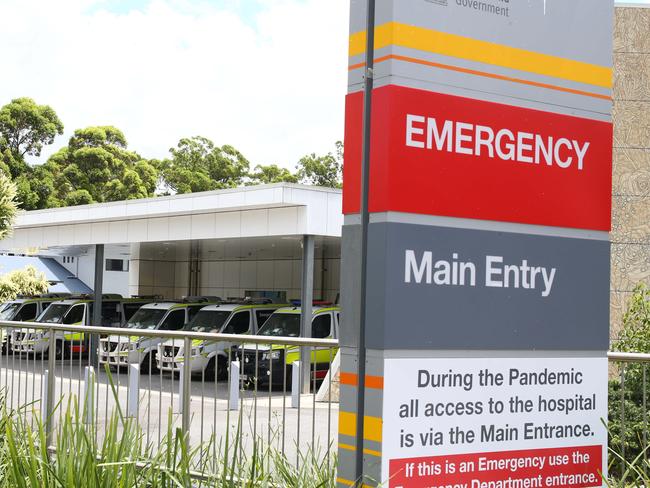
[(117, 455), (272, 173), (95, 166), (635, 333), (28, 281), (8, 205), (197, 164), (324, 170), (25, 127)]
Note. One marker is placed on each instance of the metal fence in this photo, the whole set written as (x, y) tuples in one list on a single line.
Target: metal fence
[(628, 415), (229, 390)]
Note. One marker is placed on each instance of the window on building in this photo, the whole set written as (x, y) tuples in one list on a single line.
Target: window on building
[(117, 265)]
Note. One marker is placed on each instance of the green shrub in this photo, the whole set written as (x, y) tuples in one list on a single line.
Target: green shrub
[(626, 440), (123, 459), (27, 281)]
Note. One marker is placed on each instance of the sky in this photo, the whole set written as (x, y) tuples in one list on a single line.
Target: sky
[(266, 76)]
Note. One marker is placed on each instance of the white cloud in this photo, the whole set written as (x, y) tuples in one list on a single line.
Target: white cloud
[(272, 85)]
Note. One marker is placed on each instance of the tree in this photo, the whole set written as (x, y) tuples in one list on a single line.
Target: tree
[(37, 188), (25, 127), (95, 166), (272, 173), (198, 165), (27, 281), (324, 170), (8, 205)]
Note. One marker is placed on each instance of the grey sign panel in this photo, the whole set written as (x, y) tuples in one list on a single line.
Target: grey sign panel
[(450, 288), (350, 285), (574, 29)]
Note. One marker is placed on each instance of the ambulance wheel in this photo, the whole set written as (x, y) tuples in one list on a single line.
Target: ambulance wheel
[(59, 350), (148, 365), (210, 370), (223, 369)]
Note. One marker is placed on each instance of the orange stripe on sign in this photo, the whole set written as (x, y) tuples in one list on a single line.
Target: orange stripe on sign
[(349, 379), (375, 382), (433, 64), (352, 379)]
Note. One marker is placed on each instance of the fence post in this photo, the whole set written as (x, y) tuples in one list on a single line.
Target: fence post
[(50, 379), (133, 393), (233, 396), (295, 384), (186, 374), (89, 395), (44, 399)]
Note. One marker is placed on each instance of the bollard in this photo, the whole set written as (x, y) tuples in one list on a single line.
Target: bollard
[(233, 394), (133, 393), (89, 395), (295, 385)]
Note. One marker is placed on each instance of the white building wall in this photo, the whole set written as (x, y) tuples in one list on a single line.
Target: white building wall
[(83, 267), (233, 268)]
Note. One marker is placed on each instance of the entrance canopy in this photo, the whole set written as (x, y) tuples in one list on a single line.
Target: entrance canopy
[(255, 211), (237, 242)]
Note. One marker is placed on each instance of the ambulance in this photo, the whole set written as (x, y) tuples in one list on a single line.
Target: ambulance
[(264, 364), (120, 351), (210, 358), (74, 310)]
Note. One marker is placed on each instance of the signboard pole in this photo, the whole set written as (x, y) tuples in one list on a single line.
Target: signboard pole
[(365, 220)]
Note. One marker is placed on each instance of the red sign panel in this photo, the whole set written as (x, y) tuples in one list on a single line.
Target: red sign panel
[(573, 467), (451, 156)]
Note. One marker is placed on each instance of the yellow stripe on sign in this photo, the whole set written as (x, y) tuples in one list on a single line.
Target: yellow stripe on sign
[(412, 37), (370, 452), (345, 482), (372, 427), (348, 424), (347, 447)]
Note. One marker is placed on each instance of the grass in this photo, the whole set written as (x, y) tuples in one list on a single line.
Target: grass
[(123, 459)]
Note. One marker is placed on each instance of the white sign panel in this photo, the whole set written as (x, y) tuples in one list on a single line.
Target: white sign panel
[(494, 422)]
